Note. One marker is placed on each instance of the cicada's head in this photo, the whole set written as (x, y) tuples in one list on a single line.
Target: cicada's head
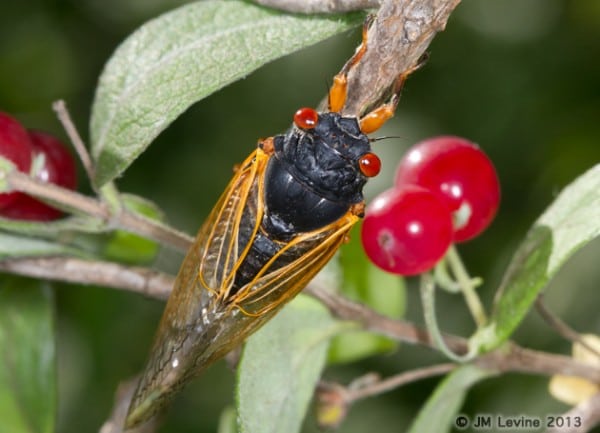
[(329, 153)]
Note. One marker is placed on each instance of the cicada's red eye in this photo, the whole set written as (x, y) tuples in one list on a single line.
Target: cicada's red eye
[(306, 118), (369, 164)]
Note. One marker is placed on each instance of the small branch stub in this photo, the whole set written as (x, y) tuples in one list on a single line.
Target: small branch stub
[(397, 40)]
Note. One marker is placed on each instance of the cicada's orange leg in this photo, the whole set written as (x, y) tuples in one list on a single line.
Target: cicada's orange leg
[(375, 119), (339, 88)]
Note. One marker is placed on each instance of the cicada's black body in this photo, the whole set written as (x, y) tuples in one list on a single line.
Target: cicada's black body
[(313, 177), (311, 181)]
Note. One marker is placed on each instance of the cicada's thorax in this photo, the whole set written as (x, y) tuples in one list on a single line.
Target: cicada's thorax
[(313, 177), (311, 180)]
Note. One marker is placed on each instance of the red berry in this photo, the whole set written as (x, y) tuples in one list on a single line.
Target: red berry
[(52, 163), (60, 168), (406, 230), (461, 175), (16, 146)]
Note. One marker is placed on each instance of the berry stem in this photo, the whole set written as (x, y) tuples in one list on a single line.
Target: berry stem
[(427, 288), (444, 279), (446, 282), (467, 286)]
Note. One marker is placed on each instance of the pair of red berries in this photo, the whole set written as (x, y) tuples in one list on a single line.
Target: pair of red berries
[(41, 155), (446, 190)]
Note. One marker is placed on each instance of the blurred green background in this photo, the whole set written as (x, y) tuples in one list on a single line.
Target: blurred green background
[(519, 77)]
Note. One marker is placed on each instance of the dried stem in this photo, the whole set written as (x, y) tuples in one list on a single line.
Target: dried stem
[(334, 399), (379, 387), (60, 108)]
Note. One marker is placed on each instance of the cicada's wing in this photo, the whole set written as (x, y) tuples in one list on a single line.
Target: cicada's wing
[(275, 285), (187, 327)]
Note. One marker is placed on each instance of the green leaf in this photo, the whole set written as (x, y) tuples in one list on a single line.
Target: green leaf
[(439, 412), (227, 421), (281, 365), (27, 357), (570, 222), (54, 229), (383, 292), (181, 57), (13, 246)]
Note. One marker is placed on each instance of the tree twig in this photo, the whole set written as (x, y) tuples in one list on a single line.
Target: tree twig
[(82, 204), (319, 6), (135, 279), (510, 357), (398, 38), (158, 285), (372, 321), (560, 326)]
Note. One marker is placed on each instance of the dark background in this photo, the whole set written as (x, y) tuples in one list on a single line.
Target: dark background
[(519, 77)]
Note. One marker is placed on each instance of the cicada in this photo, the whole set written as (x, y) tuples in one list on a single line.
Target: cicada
[(282, 217)]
